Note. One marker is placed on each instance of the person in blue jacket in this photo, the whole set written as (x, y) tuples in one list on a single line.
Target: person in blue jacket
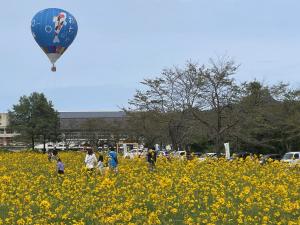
[(113, 159)]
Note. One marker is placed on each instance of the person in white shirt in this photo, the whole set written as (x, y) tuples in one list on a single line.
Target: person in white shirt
[(90, 160)]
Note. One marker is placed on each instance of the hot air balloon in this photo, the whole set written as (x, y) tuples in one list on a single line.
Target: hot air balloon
[(54, 30)]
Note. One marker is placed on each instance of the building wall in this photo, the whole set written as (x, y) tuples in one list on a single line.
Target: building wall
[(77, 125), (5, 136), (3, 120)]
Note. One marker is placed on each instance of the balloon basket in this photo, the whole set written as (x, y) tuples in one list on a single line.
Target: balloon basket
[(53, 69)]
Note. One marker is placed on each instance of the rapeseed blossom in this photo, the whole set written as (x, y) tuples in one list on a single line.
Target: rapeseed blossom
[(177, 192)]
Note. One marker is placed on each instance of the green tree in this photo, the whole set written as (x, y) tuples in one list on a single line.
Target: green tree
[(269, 119), (34, 117)]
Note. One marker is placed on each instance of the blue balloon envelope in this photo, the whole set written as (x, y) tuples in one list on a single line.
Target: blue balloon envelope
[(54, 30)]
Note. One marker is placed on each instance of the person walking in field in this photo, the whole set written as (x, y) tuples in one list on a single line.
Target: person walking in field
[(50, 155), (60, 167), (100, 165), (55, 155), (90, 160), (151, 158), (113, 159)]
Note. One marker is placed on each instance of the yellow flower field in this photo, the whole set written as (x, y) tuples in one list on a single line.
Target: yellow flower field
[(178, 192)]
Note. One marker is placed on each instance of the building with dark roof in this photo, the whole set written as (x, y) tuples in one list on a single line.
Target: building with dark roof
[(79, 120), (91, 115), (80, 127), (88, 126)]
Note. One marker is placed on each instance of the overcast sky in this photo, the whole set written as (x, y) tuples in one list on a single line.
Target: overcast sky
[(121, 42)]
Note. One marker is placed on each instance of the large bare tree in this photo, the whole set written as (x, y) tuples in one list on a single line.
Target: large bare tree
[(169, 97), (217, 99)]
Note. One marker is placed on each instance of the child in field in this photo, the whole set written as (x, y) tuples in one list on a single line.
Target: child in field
[(60, 167), (50, 155), (90, 160), (55, 155), (100, 164)]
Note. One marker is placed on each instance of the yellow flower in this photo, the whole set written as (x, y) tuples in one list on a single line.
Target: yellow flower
[(78, 222), (265, 219), (21, 222), (177, 192), (174, 210), (153, 218), (45, 205), (189, 221)]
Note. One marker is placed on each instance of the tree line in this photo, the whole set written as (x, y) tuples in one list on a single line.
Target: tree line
[(199, 107)]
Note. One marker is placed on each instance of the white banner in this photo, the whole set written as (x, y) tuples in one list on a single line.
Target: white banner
[(124, 149), (227, 150)]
